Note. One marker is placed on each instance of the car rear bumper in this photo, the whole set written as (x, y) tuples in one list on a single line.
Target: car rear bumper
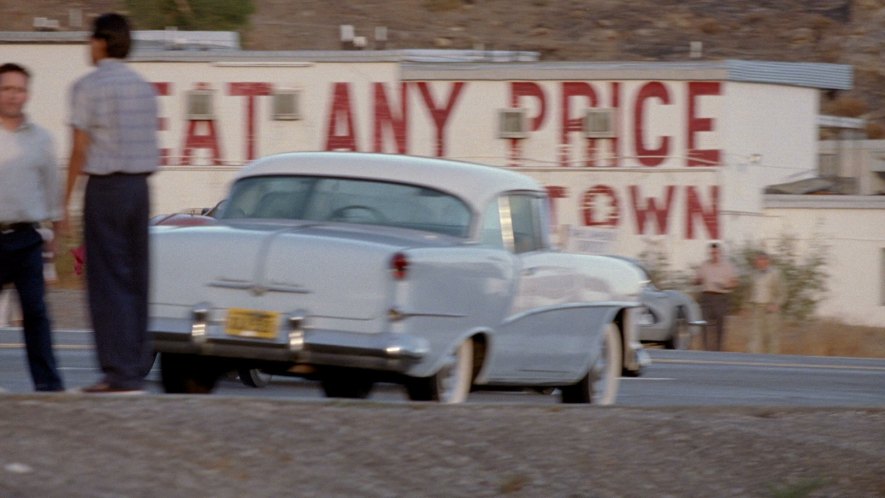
[(377, 351)]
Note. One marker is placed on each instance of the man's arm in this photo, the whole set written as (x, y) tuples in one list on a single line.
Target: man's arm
[(79, 146)]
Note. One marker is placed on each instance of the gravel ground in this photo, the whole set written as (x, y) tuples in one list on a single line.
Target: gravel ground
[(74, 445)]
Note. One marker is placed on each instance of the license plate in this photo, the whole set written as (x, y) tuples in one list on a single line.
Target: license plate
[(252, 323)]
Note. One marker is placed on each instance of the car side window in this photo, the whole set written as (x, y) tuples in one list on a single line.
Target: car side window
[(491, 235), (515, 221), (527, 222)]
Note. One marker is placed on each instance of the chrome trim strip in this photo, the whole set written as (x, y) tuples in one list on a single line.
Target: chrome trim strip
[(258, 289)]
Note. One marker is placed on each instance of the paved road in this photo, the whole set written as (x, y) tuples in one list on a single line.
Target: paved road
[(675, 378)]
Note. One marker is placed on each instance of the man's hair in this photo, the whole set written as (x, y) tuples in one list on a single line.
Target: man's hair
[(114, 30), (11, 67)]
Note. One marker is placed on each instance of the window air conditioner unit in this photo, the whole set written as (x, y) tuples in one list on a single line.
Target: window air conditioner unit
[(199, 104), (599, 123), (512, 123), (286, 105)]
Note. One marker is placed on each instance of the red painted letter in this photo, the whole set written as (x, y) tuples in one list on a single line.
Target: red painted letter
[(163, 89), (250, 91), (341, 109), (440, 115), (650, 208), (709, 217), (519, 89), (647, 156), (571, 90), (384, 116), (555, 192), (700, 157), (616, 105), (598, 202)]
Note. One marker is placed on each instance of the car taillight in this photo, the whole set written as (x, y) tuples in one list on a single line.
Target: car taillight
[(399, 265)]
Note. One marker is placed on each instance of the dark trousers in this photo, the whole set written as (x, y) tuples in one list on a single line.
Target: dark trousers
[(115, 216), (714, 306), (21, 262)]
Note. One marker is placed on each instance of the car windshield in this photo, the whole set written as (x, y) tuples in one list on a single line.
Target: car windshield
[(349, 201)]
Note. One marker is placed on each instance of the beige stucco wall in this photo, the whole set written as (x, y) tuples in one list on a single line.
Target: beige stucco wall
[(766, 134), (852, 229)]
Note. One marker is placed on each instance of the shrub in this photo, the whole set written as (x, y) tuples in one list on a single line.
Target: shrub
[(804, 275), (209, 15)]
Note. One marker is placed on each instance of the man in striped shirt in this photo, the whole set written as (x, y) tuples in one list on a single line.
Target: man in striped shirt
[(114, 143)]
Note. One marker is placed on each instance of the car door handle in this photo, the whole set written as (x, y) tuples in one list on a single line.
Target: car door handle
[(528, 272)]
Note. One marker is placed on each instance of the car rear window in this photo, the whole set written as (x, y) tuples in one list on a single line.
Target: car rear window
[(347, 200)]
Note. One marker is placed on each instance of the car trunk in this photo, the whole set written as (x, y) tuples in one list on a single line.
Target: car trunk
[(329, 271)]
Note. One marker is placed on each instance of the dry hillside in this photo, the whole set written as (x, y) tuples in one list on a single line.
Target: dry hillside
[(839, 31)]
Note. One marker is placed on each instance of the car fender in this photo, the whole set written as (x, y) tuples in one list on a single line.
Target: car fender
[(690, 308)]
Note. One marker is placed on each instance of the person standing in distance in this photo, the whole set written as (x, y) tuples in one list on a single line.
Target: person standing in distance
[(767, 295), (717, 278), (114, 120), (29, 194)]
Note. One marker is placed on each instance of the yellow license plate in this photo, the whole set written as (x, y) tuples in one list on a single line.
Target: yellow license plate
[(252, 323)]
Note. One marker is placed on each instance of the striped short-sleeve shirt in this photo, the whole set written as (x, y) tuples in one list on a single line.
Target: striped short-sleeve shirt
[(118, 109)]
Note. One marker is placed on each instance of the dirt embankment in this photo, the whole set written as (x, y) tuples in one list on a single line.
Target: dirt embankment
[(80, 446)]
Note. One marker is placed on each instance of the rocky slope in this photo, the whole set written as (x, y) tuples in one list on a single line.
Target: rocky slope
[(838, 31)]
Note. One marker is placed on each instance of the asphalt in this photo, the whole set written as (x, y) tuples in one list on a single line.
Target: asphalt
[(68, 308)]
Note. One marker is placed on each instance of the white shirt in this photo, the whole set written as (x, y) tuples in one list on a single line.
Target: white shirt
[(717, 277), (30, 189), (767, 287)]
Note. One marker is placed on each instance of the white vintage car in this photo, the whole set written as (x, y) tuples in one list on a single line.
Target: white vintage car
[(355, 268), (670, 317)]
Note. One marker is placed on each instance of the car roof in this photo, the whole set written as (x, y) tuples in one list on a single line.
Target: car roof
[(475, 183), (633, 261)]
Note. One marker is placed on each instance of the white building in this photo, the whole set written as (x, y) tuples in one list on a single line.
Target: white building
[(674, 154)]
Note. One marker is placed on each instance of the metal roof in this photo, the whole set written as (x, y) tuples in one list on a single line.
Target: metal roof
[(805, 74), (221, 46), (787, 201), (44, 36), (433, 64), (309, 56)]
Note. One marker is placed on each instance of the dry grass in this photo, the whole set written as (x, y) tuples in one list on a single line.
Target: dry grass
[(814, 338)]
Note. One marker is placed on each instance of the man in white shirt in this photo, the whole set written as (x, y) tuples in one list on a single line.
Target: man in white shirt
[(717, 278), (766, 299), (29, 195)]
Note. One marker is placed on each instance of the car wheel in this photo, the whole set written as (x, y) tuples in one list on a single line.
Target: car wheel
[(680, 335), (600, 385), (189, 374), (451, 384), (253, 377), (345, 383)]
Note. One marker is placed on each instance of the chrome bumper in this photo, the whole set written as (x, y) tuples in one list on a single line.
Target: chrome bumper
[(379, 351)]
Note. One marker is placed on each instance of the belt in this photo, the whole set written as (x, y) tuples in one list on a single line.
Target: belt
[(6, 228), (117, 174)]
